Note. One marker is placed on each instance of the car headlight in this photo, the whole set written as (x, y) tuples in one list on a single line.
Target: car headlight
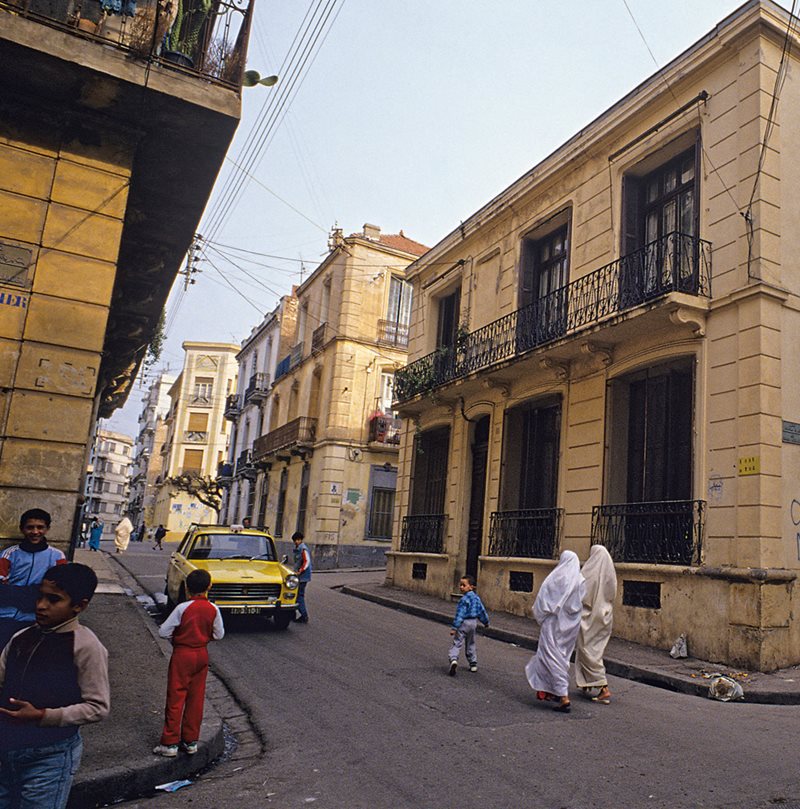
[(292, 582)]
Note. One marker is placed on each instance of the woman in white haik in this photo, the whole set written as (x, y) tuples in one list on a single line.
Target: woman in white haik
[(557, 609), (596, 622)]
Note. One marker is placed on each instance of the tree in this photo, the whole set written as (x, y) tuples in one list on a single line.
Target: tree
[(202, 487)]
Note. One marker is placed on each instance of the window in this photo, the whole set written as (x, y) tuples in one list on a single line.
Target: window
[(281, 508), (111, 446), (398, 314), (430, 471), (447, 323), (302, 503), (544, 275), (383, 481), (125, 449), (203, 388), (193, 460), (251, 499), (387, 393), (261, 517), (198, 422)]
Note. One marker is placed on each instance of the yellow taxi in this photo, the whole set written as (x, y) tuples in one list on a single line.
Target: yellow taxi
[(246, 576)]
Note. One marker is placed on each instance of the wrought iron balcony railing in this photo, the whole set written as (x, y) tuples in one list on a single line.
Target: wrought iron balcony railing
[(423, 533), (296, 355), (208, 39), (257, 388), (675, 263), (668, 532), (244, 462), (233, 406), (225, 470), (300, 432), (319, 337), (391, 333), (385, 429), (533, 533), (282, 368)]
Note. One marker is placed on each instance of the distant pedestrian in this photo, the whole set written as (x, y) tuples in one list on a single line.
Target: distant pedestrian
[(557, 609), (22, 567), (53, 678), (246, 523), (160, 533), (140, 532), (469, 611), (122, 534), (302, 565), (596, 624), (190, 626), (95, 534)]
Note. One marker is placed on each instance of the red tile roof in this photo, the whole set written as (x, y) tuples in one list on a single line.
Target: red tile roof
[(397, 241)]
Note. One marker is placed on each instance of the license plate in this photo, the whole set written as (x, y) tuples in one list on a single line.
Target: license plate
[(244, 610)]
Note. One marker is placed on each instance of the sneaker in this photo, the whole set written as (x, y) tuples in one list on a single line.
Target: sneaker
[(166, 750), (453, 667), (473, 667), (190, 748)]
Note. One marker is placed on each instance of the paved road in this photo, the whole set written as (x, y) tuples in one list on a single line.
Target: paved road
[(358, 713)]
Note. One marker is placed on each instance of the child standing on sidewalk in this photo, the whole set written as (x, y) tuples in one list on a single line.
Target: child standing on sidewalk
[(470, 610), (191, 626), (53, 678)]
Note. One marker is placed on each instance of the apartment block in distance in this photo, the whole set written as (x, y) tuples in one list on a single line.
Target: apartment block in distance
[(196, 442), (606, 353), (112, 131), (326, 462), (108, 482)]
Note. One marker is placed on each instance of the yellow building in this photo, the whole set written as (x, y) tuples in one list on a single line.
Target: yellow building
[(328, 455), (108, 153), (606, 353), (197, 433)]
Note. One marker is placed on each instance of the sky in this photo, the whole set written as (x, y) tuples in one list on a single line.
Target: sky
[(405, 115)]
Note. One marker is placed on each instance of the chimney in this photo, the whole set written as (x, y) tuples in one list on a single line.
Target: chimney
[(372, 232)]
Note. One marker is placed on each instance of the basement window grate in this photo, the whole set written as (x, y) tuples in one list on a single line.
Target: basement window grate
[(520, 581), (419, 570), (645, 594)]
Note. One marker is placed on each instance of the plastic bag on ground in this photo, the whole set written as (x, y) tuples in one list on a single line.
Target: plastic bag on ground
[(680, 648), (725, 689)]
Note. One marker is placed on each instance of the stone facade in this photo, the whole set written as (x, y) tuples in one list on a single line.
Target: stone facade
[(605, 352)]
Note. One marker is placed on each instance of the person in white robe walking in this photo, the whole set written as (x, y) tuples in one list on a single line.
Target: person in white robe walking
[(596, 624), (557, 609), (122, 534)]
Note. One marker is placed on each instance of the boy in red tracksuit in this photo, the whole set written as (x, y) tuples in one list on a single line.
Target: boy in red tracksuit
[(191, 626)]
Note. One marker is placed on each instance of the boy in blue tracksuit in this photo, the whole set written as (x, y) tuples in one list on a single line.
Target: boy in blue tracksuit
[(470, 610)]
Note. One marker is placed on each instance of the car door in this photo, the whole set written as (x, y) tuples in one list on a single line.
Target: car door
[(177, 568)]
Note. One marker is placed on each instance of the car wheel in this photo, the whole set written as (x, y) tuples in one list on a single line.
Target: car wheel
[(282, 619)]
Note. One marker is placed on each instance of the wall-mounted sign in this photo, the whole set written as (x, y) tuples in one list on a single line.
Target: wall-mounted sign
[(791, 432), (15, 263), (750, 465)]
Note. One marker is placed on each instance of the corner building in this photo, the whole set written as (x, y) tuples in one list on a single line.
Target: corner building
[(606, 352)]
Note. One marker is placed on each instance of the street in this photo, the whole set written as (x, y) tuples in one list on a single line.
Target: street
[(358, 713)]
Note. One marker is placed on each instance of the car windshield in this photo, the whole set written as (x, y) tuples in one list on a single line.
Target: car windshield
[(232, 546)]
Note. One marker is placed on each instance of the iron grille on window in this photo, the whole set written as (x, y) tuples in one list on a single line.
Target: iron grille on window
[(380, 514), (668, 532), (423, 533), (527, 533)]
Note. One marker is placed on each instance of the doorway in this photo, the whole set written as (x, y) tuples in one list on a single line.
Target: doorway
[(480, 455)]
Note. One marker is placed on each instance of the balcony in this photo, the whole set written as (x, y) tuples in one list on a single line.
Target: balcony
[(423, 533), (296, 355), (190, 37), (233, 407), (319, 337), (257, 388), (662, 533), (393, 334), (527, 533), (225, 472), (282, 368), (385, 430), (298, 433), (244, 464), (195, 437), (674, 263)]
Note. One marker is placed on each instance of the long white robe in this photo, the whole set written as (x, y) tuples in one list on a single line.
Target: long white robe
[(557, 609), (122, 534), (597, 618)]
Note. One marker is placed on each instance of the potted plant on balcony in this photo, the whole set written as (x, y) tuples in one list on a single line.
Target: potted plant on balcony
[(182, 40)]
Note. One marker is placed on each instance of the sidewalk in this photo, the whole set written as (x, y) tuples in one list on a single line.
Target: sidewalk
[(623, 658), (117, 760)]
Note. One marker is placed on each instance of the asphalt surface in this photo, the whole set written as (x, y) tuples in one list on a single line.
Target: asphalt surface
[(356, 710)]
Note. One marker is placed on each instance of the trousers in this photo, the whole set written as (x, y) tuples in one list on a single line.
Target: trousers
[(466, 632), (39, 777), (186, 690)]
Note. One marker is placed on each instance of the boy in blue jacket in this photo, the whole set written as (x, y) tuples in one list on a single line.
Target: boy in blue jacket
[(470, 610)]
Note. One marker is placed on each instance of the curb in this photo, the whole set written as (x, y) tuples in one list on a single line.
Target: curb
[(137, 780), (615, 667)]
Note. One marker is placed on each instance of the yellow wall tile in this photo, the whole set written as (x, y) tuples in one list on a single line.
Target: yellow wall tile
[(66, 323), (49, 417), (24, 460), (26, 173), (66, 275), (87, 234), (90, 189), (9, 354), (52, 369), (14, 304), (21, 218)]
